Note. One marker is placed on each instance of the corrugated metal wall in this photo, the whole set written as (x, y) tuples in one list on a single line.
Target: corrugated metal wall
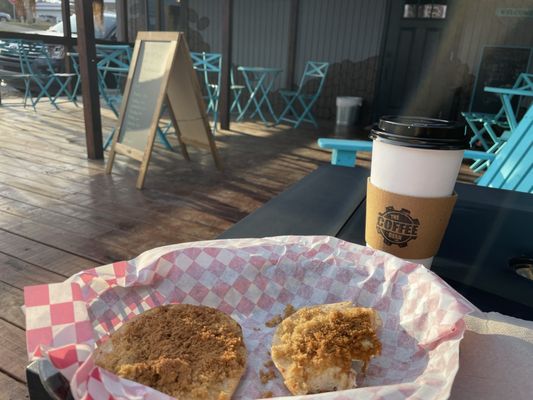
[(205, 25), (483, 27), (260, 32), (346, 33)]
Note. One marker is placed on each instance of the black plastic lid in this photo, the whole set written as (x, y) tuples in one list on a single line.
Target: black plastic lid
[(426, 133)]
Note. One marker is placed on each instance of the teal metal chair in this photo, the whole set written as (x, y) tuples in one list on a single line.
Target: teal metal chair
[(75, 62), (483, 124), (298, 103), (506, 118), (113, 66), (237, 90), (37, 63), (511, 168), (14, 66), (208, 66), (36, 69)]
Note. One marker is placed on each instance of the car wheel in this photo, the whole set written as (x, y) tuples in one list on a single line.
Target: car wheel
[(3, 19)]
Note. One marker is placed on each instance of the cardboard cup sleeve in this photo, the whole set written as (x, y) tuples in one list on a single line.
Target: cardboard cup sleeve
[(406, 226)]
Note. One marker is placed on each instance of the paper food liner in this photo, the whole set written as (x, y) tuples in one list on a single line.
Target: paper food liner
[(253, 280)]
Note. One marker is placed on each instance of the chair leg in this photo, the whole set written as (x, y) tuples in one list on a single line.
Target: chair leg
[(307, 111), (478, 135), (164, 139), (236, 102), (109, 139), (288, 103)]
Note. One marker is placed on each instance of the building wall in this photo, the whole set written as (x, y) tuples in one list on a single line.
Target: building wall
[(205, 25), (482, 27), (348, 34)]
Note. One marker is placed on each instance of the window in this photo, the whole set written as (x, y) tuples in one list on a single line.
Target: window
[(425, 10), (33, 17)]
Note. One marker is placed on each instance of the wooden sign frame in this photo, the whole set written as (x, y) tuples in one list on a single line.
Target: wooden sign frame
[(170, 92)]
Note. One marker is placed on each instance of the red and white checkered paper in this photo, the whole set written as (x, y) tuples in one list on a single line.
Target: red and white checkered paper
[(253, 280)]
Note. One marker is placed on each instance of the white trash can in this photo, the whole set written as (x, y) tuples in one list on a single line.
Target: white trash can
[(348, 110)]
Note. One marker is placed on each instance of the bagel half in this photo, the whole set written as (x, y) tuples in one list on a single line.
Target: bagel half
[(315, 347), (188, 352)]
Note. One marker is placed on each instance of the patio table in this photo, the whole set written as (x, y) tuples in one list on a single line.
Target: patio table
[(259, 82), (487, 228), (505, 97)]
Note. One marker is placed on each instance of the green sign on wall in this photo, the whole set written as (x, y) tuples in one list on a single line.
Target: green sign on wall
[(515, 12)]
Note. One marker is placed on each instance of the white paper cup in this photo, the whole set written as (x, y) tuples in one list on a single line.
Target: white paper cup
[(409, 160)]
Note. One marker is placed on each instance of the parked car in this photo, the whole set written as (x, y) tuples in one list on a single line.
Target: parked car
[(4, 17)]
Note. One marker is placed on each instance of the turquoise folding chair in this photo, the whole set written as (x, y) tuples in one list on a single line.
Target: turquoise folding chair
[(113, 66), (483, 124), (75, 62), (36, 62), (209, 65), (236, 90), (506, 118), (299, 102), (511, 168), (14, 66)]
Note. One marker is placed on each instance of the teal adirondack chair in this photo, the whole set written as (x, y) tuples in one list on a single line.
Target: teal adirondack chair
[(511, 168)]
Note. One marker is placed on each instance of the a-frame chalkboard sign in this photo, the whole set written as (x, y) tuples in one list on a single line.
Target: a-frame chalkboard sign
[(161, 69)]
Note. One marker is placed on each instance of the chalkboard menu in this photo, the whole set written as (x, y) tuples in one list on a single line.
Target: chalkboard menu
[(499, 67), (161, 70), (146, 86)]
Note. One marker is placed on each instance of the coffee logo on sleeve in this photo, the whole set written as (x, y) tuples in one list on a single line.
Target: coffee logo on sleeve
[(397, 226)]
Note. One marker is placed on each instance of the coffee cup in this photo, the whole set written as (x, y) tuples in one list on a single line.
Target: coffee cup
[(415, 163)]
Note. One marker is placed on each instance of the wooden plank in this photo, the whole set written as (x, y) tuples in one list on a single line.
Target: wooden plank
[(18, 273), (89, 79), (12, 389), (100, 253), (130, 219), (13, 351), (36, 253), (11, 301)]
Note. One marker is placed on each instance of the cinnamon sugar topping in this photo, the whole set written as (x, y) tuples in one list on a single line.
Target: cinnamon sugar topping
[(180, 350)]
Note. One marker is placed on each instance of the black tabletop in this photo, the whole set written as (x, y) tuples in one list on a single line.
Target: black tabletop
[(488, 227)]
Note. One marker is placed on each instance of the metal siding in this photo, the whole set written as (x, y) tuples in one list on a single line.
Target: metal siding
[(209, 38), (260, 34), (348, 34), (480, 27), (484, 28)]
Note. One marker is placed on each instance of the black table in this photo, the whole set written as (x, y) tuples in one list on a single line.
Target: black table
[(487, 228)]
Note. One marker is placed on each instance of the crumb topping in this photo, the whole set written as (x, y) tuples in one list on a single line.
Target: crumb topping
[(276, 320), (267, 395), (177, 349), (266, 376), (325, 338)]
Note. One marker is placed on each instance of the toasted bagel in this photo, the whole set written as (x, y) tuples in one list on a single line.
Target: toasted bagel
[(315, 347), (188, 352)]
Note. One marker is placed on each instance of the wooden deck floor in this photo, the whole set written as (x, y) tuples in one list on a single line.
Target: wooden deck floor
[(59, 212)]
